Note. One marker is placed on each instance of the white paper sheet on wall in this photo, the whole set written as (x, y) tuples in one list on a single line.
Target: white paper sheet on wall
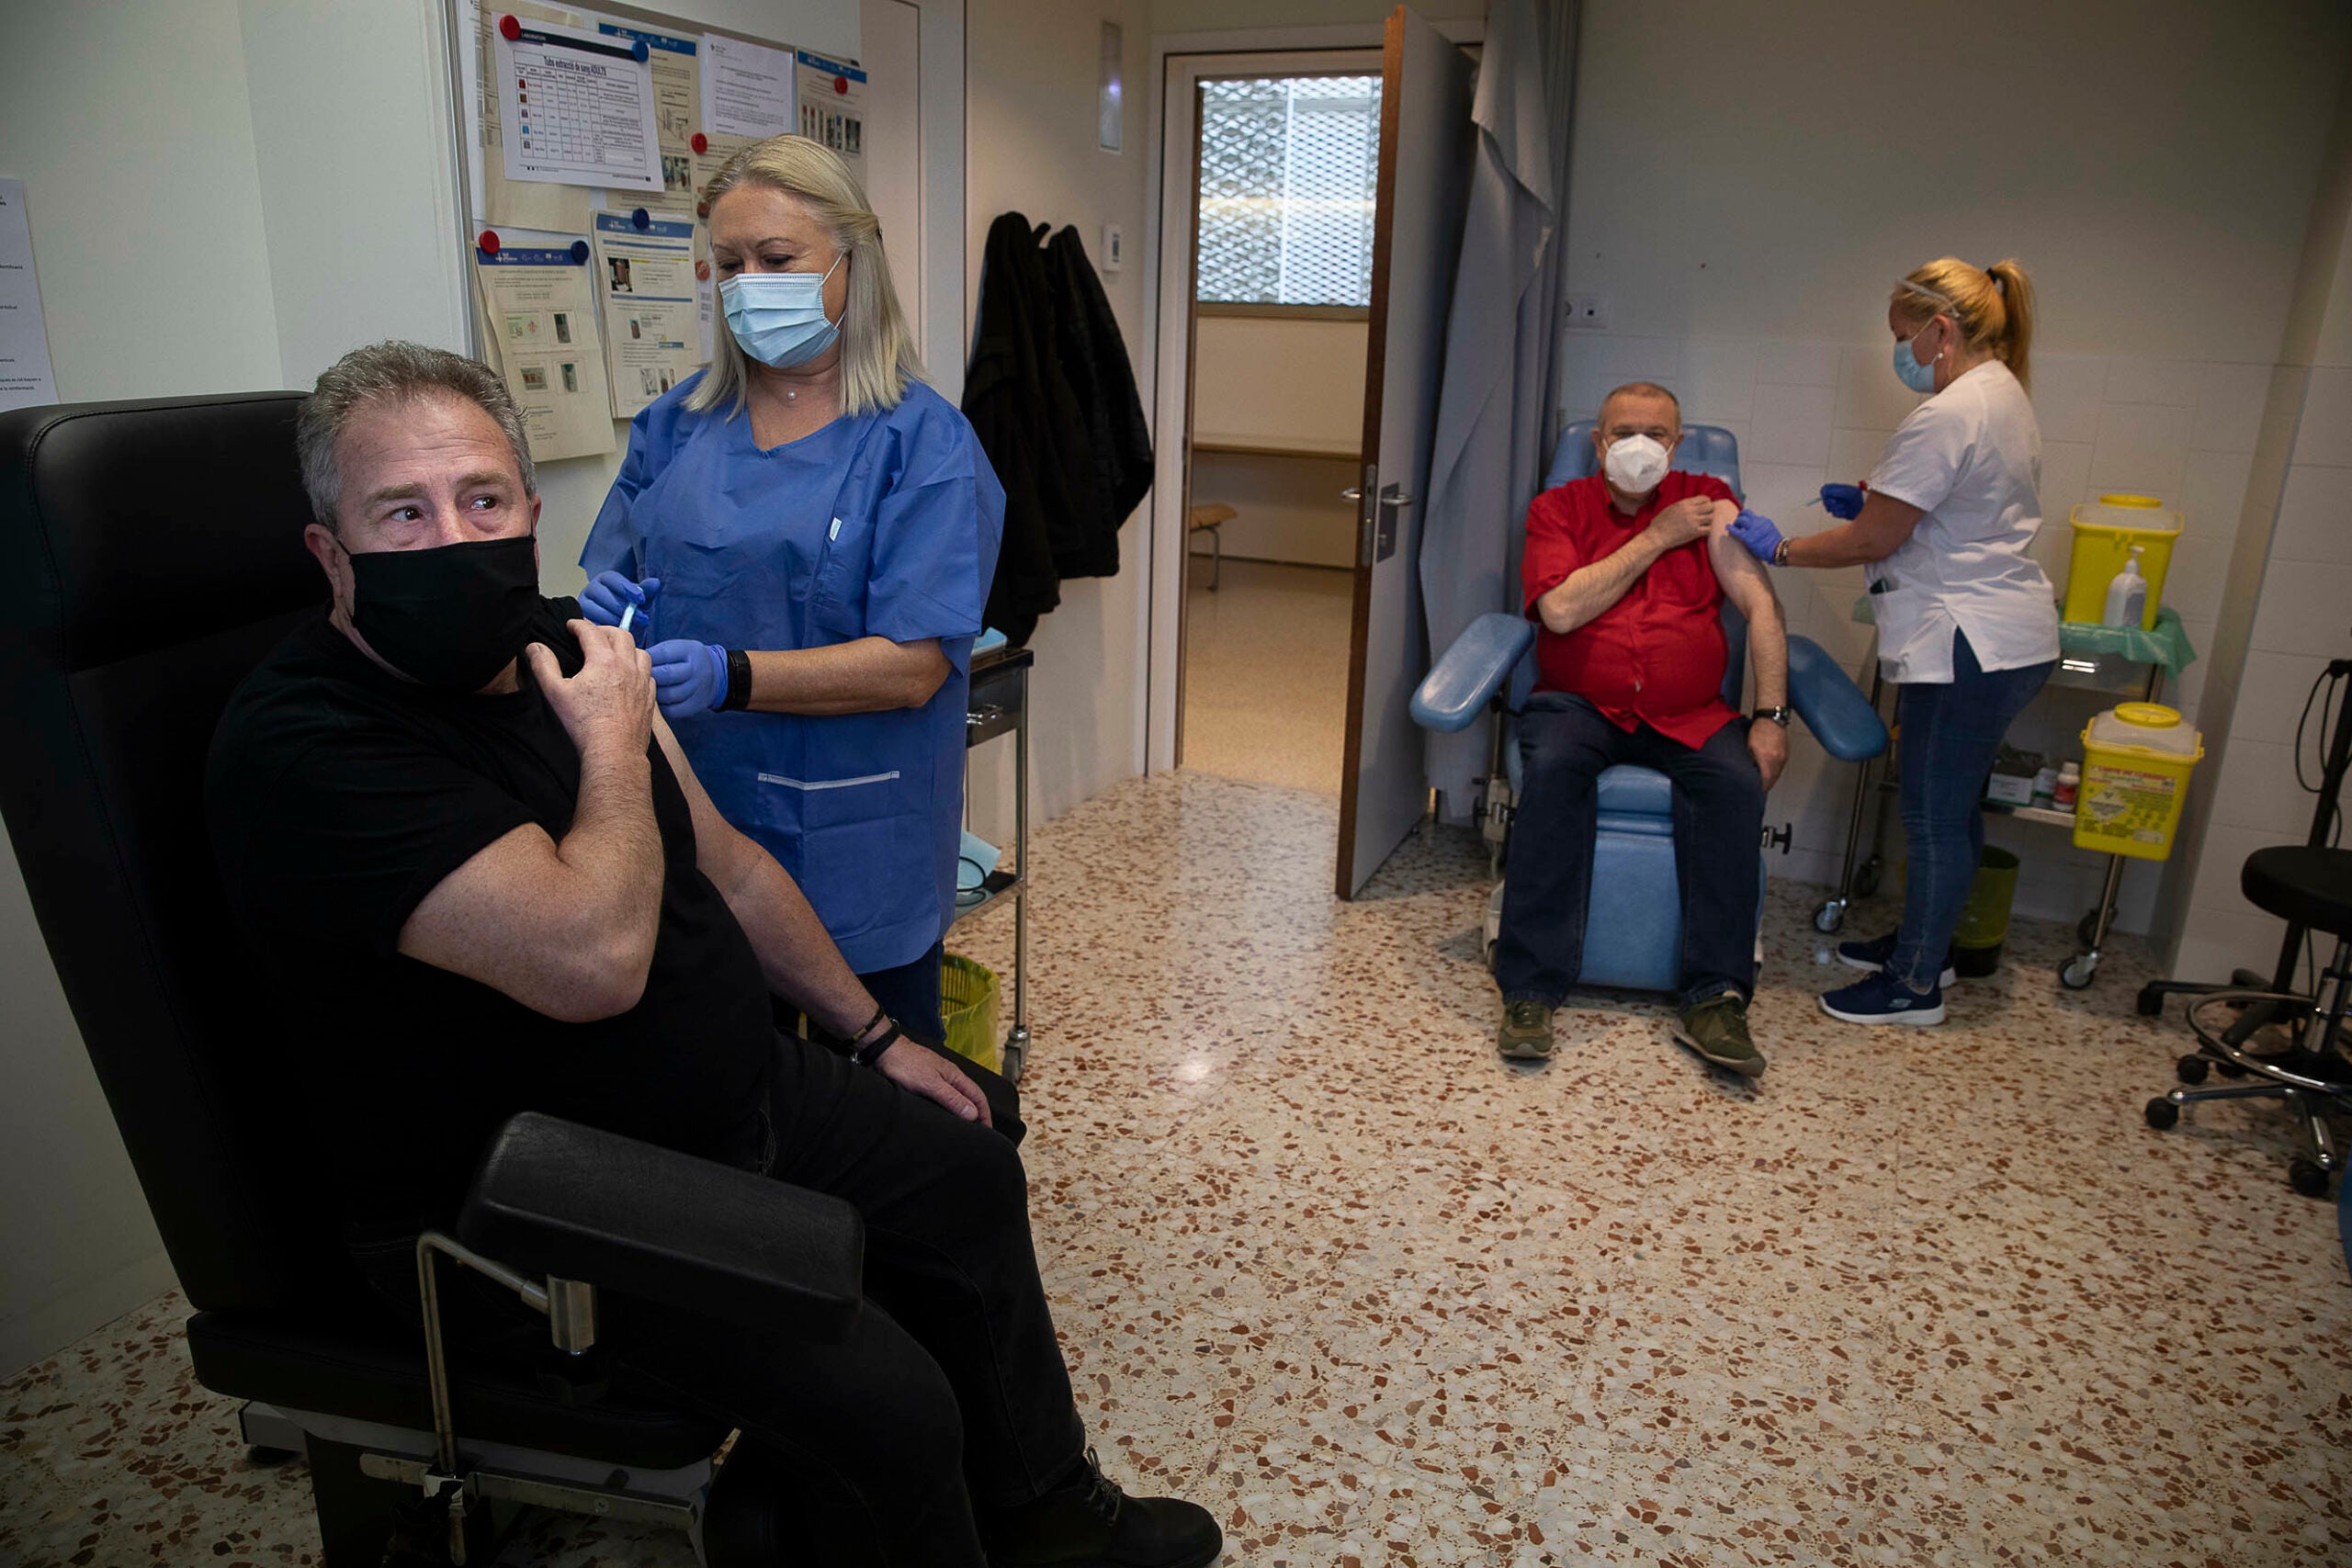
[(538, 317), (577, 106), (746, 88), (831, 94), (26, 377), (645, 278), (677, 106)]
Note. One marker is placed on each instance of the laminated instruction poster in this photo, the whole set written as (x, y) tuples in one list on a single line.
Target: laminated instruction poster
[(645, 281), (832, 96), (677, 109), (538, 317), (522, 204), (577, 106), (746, 99)]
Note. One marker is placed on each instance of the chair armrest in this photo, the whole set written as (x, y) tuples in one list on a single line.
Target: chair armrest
[(1832, 706), (1469, 673), (553, 1197)]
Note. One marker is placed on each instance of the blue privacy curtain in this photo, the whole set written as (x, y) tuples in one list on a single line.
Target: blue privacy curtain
[(1496, 402)]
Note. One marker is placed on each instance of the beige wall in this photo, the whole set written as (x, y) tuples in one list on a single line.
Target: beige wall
[(1745, 246), (1279, 381)]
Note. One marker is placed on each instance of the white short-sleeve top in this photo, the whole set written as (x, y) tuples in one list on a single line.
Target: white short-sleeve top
[(1970, 458)]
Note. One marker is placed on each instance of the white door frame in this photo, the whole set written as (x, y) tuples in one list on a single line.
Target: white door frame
[(1178, 62)]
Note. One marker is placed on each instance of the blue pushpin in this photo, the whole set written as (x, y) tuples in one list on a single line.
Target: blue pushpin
[(640, 218), (641, 53), (580, 250)]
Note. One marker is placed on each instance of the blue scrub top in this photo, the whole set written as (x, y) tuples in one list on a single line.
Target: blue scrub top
[(880, 525)]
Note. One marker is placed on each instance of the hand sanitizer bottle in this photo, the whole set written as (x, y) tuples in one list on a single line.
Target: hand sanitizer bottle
[(2127, 595)]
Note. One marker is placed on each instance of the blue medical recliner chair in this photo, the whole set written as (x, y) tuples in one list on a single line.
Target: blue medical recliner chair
[(1634, 933)]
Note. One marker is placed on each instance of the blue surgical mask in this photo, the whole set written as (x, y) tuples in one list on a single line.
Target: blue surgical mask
[(1918, 377), (778, 318)]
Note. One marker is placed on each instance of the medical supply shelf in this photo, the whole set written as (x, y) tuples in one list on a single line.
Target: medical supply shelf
[(2088, 656), (999, 706)]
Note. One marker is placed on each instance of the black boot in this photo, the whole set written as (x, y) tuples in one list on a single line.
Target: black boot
[(1087, 1522)]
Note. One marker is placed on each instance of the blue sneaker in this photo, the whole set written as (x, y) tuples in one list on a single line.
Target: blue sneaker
[(1873, 955), (1881, 998)]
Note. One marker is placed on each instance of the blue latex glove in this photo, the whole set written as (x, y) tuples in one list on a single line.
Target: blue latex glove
[(689, 677), (1842, 501), (603, 600), (1759, 533)]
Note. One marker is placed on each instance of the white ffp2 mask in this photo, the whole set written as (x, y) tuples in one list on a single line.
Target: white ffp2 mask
[(1635, 464)]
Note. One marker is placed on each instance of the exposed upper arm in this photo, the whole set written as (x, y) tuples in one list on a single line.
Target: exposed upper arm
[(718, 847), (500, 917), (1884, 523), (1745, 581)]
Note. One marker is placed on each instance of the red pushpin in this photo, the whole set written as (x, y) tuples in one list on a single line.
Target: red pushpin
[(509, 29), (700, 143), (841, 83), (702, 272), (702, 209), (487, 242)]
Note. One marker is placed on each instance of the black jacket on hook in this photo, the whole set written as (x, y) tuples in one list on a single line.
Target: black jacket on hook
[(1052, 396)]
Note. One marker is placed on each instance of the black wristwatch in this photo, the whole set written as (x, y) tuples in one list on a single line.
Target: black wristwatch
[(1779, 716)]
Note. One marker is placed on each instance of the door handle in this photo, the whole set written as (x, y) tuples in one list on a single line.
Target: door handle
[(1352, 493)]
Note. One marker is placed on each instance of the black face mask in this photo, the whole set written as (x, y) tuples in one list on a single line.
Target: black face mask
[(449, 617)]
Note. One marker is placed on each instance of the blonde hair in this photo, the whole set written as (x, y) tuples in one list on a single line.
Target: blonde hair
[(1994, 306), (878, 354)]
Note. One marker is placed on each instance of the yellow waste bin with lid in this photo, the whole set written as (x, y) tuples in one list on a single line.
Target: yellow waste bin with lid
[(967, 999), (2106, 530), (2136, 760)]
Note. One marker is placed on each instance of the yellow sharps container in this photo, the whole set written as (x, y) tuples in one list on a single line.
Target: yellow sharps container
[(2105, 532), (2136, 760)]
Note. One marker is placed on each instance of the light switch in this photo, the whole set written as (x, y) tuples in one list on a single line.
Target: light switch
[(1115, 248)]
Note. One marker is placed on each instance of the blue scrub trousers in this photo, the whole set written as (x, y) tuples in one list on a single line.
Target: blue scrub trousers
[(1951, 733), (909, 993)]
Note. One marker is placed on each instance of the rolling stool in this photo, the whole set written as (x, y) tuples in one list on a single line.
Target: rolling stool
[(1210, 518), (2310, 888)]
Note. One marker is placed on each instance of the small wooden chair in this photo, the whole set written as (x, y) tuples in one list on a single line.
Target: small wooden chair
[(1210, 519)]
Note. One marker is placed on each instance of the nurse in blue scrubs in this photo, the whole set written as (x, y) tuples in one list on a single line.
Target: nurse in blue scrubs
[(811, 531)]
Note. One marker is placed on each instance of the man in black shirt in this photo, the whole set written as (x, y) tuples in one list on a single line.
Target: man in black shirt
[(486, 881)]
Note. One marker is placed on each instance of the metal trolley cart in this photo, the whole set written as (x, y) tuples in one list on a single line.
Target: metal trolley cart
[(999, 705), (2097, 656)]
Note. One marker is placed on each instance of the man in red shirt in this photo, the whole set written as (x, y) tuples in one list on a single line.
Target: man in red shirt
[(1626, 572)]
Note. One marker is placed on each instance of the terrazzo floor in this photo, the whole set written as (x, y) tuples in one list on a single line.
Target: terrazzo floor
[(1322, 1262), (1266, 673)]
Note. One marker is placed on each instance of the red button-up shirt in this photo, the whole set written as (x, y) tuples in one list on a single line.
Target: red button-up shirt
[(1654, 656)]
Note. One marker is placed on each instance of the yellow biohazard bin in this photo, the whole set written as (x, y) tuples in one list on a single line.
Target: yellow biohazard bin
[(968, 993), (2136, 760), (2105, 531)]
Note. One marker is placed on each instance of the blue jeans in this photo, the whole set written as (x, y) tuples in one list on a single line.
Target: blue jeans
[(1548, 883), (1951, 731)]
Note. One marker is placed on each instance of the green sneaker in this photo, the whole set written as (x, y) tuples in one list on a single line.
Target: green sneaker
[(1526, 1032), (1717, 1030)]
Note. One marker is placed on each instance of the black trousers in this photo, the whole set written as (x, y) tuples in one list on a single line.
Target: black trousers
[(950, 1391), (1548, 883)]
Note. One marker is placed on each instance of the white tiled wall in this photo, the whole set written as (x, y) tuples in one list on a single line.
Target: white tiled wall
[(2302, 619), (1806, 412)]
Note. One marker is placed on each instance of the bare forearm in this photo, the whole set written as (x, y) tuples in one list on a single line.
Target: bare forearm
[(1590, 589), (796, 953), (872, 674), (1768, 654)]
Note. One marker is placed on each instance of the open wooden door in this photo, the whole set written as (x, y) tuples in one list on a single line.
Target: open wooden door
[(1426, 142)]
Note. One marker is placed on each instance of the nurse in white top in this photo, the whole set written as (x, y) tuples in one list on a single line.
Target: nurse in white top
[(1967, 622)]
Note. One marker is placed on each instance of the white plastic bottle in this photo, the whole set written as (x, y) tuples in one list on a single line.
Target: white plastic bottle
[(2127, 594), (2070, 787)]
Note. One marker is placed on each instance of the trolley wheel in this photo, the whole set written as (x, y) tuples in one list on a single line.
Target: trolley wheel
[(2152, 1001), (2230, 1070), (2162, 1114), (2087, 929), (2306, 1177), (1866, 879), (1830, 918), (2079, 972), (2192, 1068)]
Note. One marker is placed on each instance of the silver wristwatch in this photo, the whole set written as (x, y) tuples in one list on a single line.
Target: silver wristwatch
[(1779, 716)]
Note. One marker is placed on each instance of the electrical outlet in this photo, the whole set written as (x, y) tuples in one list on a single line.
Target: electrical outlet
[(1588, 310)]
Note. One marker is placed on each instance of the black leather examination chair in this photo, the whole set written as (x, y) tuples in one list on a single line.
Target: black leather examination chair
[(151, 554)]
